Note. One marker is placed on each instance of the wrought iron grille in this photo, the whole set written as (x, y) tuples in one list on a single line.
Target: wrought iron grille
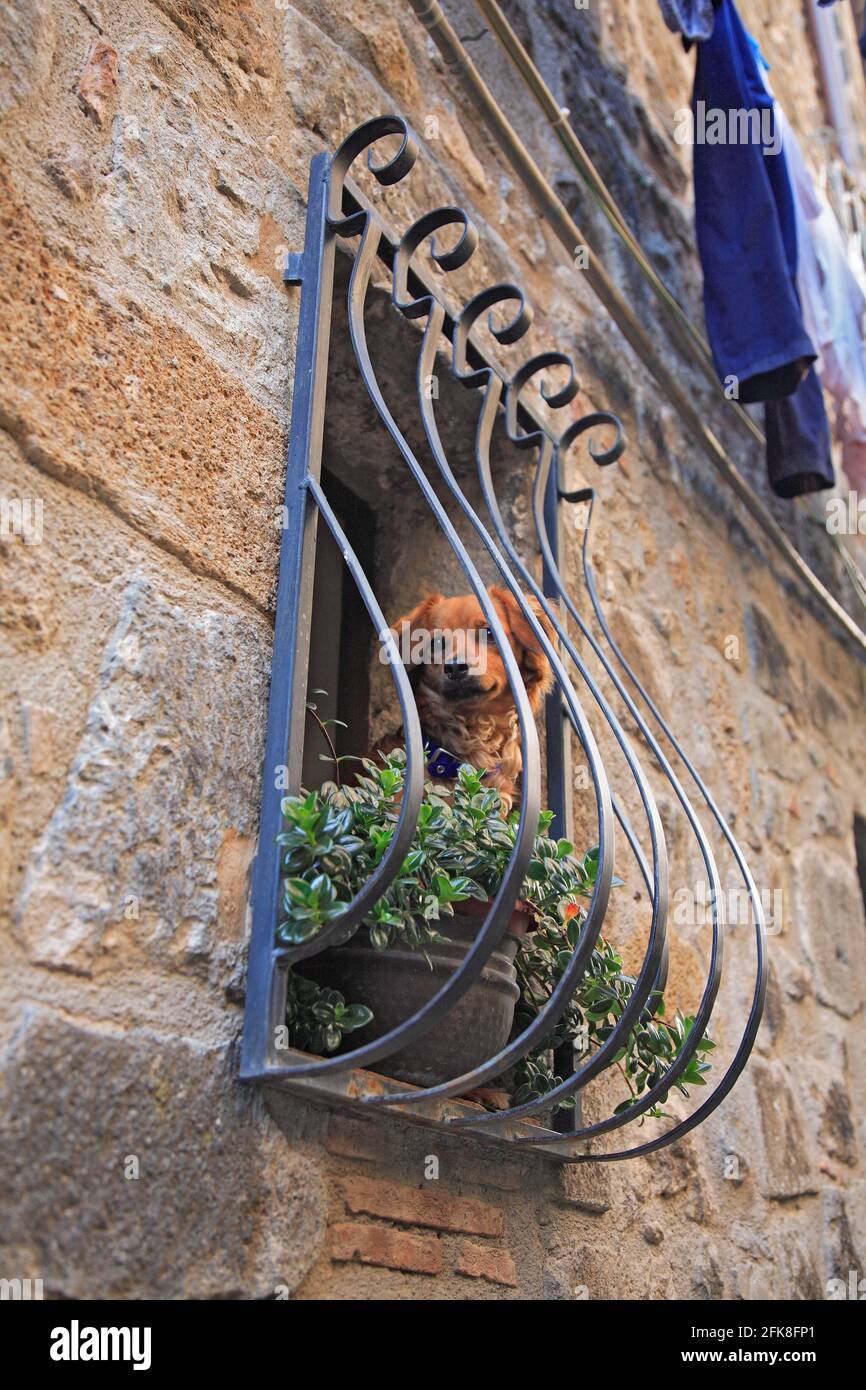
[(337, 209)]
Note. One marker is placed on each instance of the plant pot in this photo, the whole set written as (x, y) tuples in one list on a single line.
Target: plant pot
[(397, 982)]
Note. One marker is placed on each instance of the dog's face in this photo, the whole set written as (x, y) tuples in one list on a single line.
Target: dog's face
[(452, 654)]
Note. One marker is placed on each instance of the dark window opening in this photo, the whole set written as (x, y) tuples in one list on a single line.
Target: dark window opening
[(341, 640)]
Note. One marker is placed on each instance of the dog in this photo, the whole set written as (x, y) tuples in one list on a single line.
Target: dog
[(458, 677)]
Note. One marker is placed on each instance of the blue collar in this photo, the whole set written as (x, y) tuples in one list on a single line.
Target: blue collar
[(440, 764)]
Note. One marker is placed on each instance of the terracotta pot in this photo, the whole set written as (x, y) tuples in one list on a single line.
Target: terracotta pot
[(397, 982)]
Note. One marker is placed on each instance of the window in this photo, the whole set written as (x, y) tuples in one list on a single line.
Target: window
[(407, 475)]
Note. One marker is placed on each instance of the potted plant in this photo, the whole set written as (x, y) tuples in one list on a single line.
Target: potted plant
[(425, 923)]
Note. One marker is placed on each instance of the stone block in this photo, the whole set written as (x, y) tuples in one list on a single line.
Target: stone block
[(146, 852), (62, 601), (135, 1167), (787, 1166), (586, 1186), (829, 916), (129, 408)]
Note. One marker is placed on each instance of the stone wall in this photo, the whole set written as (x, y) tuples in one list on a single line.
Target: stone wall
[(153, 175)]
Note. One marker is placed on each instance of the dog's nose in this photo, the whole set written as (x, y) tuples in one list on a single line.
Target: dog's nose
[(455, 669)]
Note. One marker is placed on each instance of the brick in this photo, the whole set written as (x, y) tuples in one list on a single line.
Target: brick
[(415, 1206), (381, 1245), (486, 1262)]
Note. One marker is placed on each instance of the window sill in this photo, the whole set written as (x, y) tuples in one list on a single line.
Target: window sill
[(349, 1090)]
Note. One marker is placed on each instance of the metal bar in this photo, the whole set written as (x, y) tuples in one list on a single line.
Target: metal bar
[(265, 1002), (519, 416), (652, 961), (559, 778), (558, 730), (496, 921), (430, 14), (743, 1051), (497, 918), (654, 964)]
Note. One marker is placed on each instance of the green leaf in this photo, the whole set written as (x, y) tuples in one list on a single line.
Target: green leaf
[(356, 1016), (295, 932)]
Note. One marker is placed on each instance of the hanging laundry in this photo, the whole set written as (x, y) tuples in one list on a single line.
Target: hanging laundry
[(745, 221), (799, 452), (746, 228), (834, 307), (691, 18)]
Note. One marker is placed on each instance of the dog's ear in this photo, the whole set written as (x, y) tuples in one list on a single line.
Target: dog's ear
[(534, 665), (417, 619)]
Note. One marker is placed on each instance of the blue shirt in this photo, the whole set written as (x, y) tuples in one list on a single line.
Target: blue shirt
[(746, 227)]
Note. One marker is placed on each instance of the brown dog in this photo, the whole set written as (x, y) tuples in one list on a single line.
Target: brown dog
[(461, 689)]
